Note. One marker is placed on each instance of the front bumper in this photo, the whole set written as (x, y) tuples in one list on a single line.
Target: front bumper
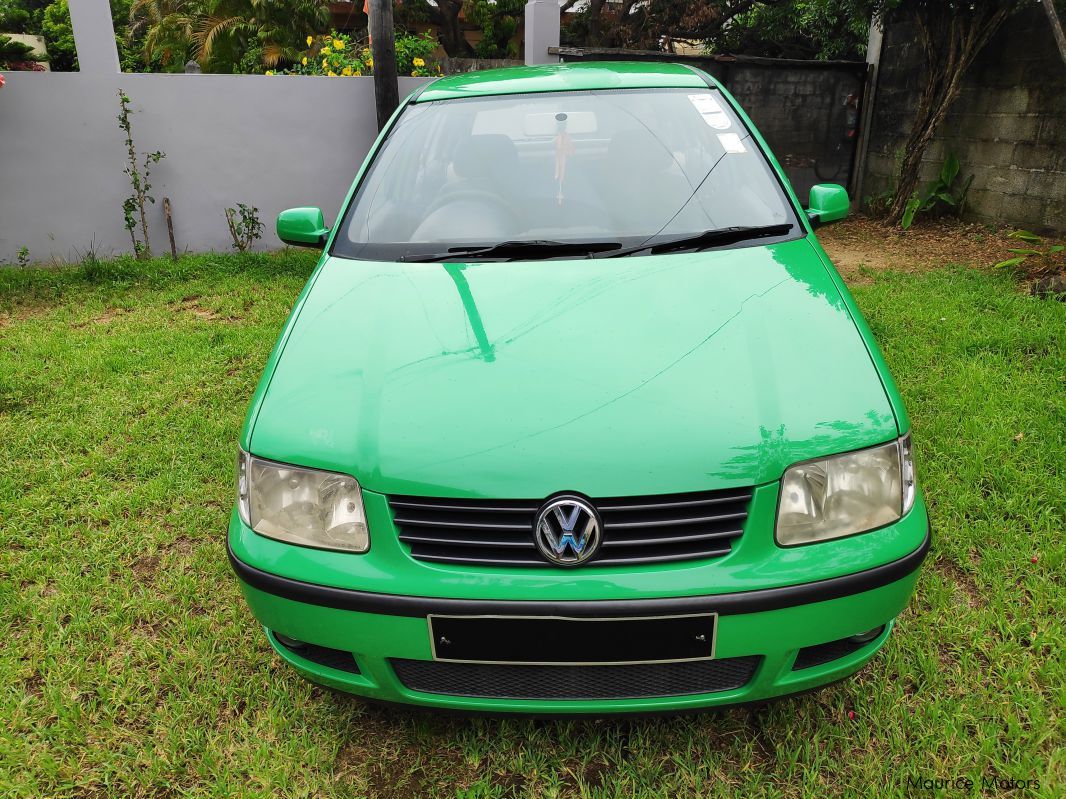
[(764, 630)]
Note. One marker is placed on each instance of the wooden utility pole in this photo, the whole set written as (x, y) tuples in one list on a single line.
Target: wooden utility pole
[(383, 50)]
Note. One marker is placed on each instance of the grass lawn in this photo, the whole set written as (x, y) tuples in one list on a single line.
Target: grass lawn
[(130, 665)]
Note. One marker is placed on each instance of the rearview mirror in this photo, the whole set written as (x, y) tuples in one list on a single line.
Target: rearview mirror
[(828, 203), (303, 227)]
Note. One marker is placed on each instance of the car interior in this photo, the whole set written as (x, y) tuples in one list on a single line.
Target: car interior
[(585, 168)]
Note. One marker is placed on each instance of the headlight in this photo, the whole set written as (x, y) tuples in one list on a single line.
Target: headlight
[(845, 494), (301, 506)]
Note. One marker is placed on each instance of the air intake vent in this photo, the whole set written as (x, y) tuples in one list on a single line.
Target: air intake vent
[(576, 682), (636, 530)]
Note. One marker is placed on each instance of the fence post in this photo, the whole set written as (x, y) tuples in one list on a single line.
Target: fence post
[(542, 31), (94, 36), (869, 95)]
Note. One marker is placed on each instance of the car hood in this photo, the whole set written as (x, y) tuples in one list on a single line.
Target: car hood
[(609, 377)]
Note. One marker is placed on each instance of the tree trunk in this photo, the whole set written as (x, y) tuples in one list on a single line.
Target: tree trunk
[(618, 35), (950, 41), (450, 31), (595, 18)]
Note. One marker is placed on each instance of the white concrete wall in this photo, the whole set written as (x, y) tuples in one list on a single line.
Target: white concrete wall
[(272, 142)]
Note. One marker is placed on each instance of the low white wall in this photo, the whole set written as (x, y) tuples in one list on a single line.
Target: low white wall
[(271, 142)]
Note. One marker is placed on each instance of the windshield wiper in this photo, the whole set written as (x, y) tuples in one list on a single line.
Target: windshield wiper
[(709, 238), (512, 250)]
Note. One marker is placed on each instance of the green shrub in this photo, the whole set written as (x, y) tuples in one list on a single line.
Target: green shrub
[(59, 37), (942, 193), (338, 55)]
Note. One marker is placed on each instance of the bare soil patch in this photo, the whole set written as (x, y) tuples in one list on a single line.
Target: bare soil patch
[(862, 244)]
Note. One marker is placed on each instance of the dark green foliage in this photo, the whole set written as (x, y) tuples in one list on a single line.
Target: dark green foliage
[(51, 19), (498, 20), (16, 17), (942, 194), (59, 37), (816, 29), (225, 35), (13, 52)]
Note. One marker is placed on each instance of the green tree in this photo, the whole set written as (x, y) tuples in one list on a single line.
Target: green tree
[(814, 29), (15, 18), (22, 16), (498, 20), (51, 19), (59, 37)]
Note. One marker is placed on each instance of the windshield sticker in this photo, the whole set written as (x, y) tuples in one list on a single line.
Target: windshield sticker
[(710, 110), (731, 143)]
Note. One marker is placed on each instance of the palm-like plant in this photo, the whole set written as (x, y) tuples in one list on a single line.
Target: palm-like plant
[(229, 28), (167, 28), (221, 33)]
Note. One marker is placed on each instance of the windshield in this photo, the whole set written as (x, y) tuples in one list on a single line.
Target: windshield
[(615, 168)]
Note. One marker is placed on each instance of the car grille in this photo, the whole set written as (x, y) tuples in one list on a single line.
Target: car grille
[(635, 529), (629, 681)]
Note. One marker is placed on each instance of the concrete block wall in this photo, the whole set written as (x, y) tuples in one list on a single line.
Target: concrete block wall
[(802, 114), (798, 107), (1008, 126)]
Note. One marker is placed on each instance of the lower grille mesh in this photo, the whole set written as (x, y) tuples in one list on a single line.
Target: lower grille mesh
[(630, 681)]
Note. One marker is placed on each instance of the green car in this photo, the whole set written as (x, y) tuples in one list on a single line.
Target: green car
[(575, 415)]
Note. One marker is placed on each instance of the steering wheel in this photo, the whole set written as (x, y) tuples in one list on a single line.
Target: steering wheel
[(469, 194), (445, 216)]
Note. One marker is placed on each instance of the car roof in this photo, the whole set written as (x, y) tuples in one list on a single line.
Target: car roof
[(564, 78)]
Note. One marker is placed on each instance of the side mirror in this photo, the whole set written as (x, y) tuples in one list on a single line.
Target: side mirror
[(303, 227), (828, 203)]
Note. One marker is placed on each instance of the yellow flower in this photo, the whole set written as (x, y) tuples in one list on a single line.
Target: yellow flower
[(325, 63), (304, 61), (326, 50), (310, 40), (338, 44), (346, 72), (370, 63), (270, 72), (332, 74), (418, 62)]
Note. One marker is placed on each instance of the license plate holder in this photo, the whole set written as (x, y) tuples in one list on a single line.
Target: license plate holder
[(572, 641)]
